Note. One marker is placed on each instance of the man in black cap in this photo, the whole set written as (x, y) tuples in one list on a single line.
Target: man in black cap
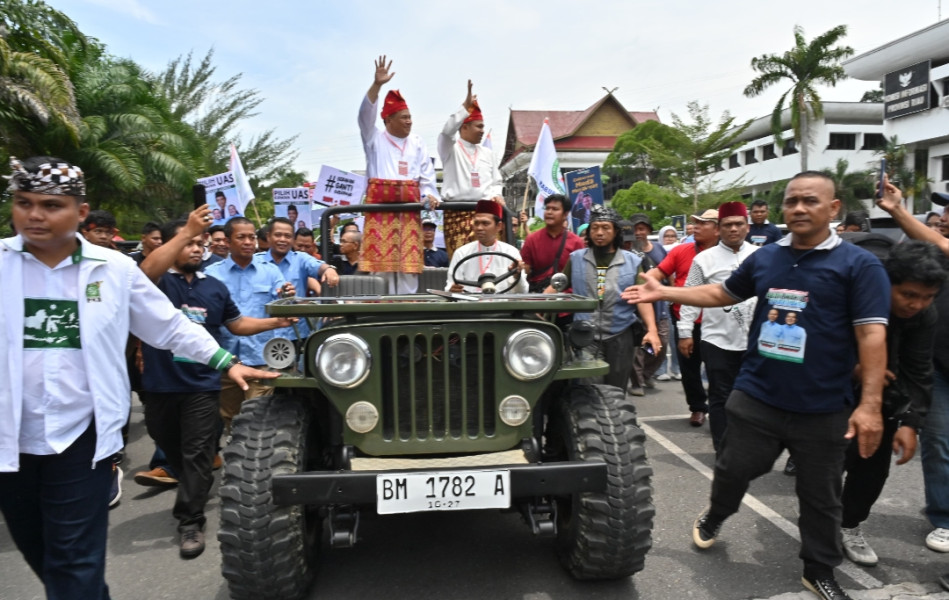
[(434, 257), (601, 271)]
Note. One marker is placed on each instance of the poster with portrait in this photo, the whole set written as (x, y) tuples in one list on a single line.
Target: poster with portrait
[(294, 204), (221, 193), (585, 189)]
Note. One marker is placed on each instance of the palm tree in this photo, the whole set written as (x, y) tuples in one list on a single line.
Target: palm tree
[(852, 187), (913, 182), (34, 93), (134, 152), (805, 66)]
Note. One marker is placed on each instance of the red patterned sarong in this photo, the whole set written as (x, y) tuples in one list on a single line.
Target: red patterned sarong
[(457, 228), (392, 241)]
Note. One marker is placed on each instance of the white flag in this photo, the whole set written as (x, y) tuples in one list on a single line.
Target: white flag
[(244, 193), (545, 167)]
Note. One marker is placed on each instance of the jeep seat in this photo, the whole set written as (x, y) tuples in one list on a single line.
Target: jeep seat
[(356, 285)]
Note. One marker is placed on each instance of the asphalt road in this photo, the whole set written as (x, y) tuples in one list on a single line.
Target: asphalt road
[(490, 555)]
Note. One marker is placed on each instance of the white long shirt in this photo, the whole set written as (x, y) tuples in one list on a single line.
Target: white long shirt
[(460, 159), (384, 153), (112, 298), (492, 263), (725, 327)]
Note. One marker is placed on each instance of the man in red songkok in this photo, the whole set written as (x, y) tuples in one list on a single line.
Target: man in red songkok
[(400, 170), (470, 171), (486, 225)]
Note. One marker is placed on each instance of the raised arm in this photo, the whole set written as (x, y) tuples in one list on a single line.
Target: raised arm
[(892, 202), (381, 77), (162, 258)]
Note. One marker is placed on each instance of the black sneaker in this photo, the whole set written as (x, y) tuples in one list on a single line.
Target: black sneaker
[(705, 530), (826, 587), (790, 468)]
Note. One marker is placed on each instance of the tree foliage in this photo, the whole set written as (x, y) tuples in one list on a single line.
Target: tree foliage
[(912, 181), (805, 66), (705, 148), (35, 89), (853, 187), (141, 139), (681, 160), (216, 109)]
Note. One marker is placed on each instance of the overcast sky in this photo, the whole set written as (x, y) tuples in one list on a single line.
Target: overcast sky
[(313, 60)]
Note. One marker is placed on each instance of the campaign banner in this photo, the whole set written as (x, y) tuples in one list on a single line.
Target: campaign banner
[(335, 187), (294, 204), (585, 190), (221, 193)]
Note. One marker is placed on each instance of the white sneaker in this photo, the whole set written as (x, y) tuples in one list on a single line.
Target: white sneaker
[(938, 540), (677, 376), (663, 377), (856, 547)]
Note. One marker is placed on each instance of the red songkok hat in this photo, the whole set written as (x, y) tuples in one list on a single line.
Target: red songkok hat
[(394, 102), (474, 113), (489, 207), (732, 209)]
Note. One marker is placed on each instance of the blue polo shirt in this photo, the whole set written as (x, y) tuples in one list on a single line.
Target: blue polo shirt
[(251, 289), (436, 257), (804, 363), (762, 235), (205, 301), (295, 267)]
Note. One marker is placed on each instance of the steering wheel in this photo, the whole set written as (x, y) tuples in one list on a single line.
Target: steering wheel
[(488, 281)]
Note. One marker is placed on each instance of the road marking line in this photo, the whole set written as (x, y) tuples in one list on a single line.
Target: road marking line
[(847, 568)]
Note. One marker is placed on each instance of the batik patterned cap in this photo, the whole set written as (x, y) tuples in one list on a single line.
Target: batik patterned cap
[(57, 178), (602, 213)]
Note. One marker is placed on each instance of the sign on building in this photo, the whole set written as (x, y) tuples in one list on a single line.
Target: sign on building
[(906, 91)]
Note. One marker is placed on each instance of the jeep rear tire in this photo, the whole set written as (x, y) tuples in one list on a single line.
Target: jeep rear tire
[(603, 535), (267, 551)]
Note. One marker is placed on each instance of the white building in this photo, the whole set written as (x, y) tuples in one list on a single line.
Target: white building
[(852, 131), (917, 96)]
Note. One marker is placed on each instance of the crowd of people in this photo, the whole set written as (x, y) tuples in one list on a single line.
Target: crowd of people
[(733, 303)]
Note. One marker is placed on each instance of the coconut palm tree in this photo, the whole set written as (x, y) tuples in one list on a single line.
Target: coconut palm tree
[(805, 66)]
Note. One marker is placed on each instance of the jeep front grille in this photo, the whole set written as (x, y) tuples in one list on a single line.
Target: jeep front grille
[(438, 385)]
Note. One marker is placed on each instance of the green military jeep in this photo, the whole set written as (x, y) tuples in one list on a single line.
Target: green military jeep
[(432, 402)]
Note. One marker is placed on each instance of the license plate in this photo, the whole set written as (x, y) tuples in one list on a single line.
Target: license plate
[(442, 490)]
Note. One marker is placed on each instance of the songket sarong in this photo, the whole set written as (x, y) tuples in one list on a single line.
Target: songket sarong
[(457, 229), (392, 241)]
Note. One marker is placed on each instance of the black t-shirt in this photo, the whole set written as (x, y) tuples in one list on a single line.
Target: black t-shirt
[(205, 301)]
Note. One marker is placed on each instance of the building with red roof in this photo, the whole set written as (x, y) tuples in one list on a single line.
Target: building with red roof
[(583, 138)]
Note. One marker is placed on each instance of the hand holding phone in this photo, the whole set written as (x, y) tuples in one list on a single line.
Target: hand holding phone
[(882, 175)]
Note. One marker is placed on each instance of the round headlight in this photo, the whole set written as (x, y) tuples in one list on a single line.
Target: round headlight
[(514, 410), (362, 416), (343, 360), (529, 354)]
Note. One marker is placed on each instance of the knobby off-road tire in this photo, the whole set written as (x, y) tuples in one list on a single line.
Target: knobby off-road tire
[(603, 535), (267, 551)]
